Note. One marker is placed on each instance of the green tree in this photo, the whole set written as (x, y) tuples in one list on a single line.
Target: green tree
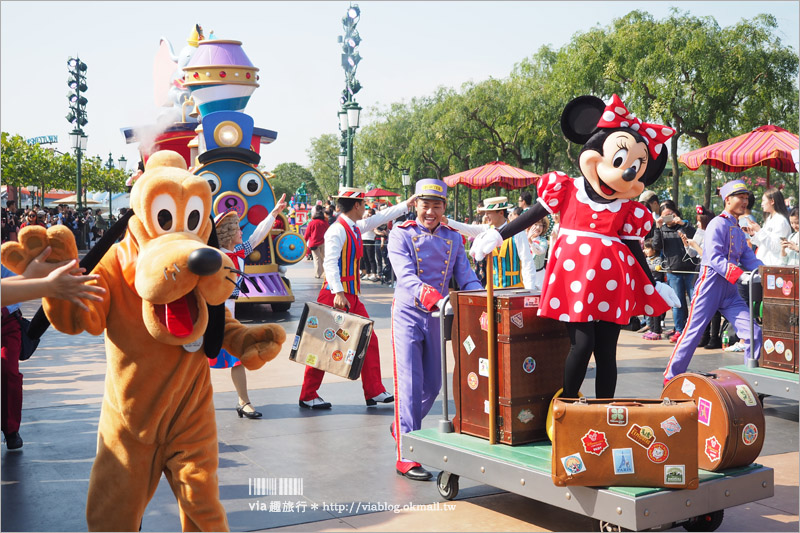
[(323, 155), (289, 176)]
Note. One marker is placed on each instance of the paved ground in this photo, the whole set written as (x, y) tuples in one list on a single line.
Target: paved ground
[(344, 457)]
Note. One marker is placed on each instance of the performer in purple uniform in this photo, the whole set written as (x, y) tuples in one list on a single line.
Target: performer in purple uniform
[(425, 255), (715, 289)]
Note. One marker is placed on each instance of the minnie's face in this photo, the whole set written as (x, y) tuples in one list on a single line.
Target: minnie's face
[(617, 171)]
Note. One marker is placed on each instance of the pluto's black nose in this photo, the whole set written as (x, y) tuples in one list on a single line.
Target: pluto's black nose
[(205, 261)]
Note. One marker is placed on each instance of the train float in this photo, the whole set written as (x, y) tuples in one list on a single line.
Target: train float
[(203, 91)]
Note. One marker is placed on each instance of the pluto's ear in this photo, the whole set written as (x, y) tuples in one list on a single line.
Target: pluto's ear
[(215, 330), (580, 116)]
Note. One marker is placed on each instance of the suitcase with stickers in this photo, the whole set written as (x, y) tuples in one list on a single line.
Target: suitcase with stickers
[(625, 443), (531, 352), (730, 418), (780, 347), (331, 340)]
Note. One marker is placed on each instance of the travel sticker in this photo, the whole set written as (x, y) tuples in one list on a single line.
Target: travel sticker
[(779, 346), (469, 345), (338, 318), (749, 434), (296, 342), (486, 406), (472, 380), (342, 334), (594, 442), (623, 461), (529, 364), (517, 320), (787, 288), (312, 322), (337, 355), (746, 395), (311, 360), (674, 474), (484, 320), (483, 367), (688, 387), (769, 346), (713, 448), (658, 452), (531, 301), (771, 281), (351, 354), (573, 464), (703, 411), (617, 416), (779, 282), (788, 354), (642, 435), (329, 334), (670, 426), (525, 416)]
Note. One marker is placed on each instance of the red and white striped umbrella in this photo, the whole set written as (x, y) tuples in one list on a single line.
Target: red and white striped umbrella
[(494, 174)]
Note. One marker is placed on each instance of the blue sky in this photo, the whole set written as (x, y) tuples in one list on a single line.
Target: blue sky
[(408, 50)]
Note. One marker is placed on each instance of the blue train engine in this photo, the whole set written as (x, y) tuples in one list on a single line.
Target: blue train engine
[(230, 166)]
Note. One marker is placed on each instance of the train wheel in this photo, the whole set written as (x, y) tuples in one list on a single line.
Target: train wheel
[(447, 484), (706, 522)]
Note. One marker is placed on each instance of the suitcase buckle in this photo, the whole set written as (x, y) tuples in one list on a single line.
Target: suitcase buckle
[(667, 401), (582, 400)]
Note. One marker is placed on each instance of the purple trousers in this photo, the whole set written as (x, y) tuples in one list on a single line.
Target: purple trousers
[(712, 293), (417, 367)]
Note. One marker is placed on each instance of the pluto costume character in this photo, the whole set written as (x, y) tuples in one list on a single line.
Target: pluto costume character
[(163, 286)]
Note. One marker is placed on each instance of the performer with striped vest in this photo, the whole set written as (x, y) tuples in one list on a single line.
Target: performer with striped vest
[(513, 262), (343, 251)]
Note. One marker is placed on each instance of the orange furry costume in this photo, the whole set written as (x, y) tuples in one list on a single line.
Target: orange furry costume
[(157, 413)]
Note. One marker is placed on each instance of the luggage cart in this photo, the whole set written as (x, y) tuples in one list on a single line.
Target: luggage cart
[(765, 381), (525, 470)]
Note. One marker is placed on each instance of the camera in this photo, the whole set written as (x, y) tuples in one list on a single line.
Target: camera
[(668, 218)]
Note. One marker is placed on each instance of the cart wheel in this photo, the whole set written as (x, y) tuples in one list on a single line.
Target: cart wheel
[(447, 484), (761, 399), (603, 526), (706, 522)]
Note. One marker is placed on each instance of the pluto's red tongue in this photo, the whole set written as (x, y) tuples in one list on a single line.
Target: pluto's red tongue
[(178, 317)]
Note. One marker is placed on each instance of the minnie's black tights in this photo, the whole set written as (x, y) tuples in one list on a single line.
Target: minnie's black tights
[(599, 338)]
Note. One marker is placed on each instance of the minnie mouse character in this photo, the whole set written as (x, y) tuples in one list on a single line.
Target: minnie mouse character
[(597, 277)]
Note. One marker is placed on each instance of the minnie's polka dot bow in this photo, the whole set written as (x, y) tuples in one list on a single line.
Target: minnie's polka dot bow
[(616, 115)]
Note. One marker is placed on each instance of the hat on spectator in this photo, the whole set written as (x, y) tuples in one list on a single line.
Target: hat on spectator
[(647, 196), (353, 193), (732, 187), (497, 203)]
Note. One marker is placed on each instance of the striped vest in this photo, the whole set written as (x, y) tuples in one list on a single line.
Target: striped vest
[(507, 265), (350, 260)]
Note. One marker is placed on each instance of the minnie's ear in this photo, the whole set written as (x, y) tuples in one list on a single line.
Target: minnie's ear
[(580, 117), (655, 168)]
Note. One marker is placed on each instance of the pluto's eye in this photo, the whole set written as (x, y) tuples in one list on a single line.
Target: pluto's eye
[(194, 214), (620, 157), (165, 220), (163, 210)]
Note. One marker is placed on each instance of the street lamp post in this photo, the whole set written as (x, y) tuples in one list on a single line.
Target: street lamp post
[(350, 113), (77, 114), (406, 181), (123, 165)]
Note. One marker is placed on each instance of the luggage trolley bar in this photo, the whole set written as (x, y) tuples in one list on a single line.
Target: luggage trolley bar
[(525, 470), (765, 381)]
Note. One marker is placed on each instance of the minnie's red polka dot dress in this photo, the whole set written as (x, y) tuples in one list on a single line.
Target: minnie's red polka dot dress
[(592, 274)]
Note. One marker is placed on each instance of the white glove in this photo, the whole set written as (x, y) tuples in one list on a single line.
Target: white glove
[(669, 296), (485, 243)]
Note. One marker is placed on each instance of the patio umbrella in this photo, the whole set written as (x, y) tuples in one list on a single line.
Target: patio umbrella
[(375, 193), (766, 146), (73, 200), (494, 174)]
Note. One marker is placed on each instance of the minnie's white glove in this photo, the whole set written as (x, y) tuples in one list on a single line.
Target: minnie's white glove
[(669, 296), (485, 243)]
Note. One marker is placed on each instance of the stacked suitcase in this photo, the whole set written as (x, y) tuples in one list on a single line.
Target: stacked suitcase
[(530, 364), (780, 346)]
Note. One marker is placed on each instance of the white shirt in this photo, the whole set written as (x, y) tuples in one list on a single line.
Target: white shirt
[(527, 267), (336, 236), (768, 239)]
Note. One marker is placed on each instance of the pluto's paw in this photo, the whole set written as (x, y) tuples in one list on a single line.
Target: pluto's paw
[(16, 256)]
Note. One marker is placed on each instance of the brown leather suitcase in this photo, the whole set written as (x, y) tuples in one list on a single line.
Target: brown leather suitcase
[(779, 330), (530, 364), (730, 418), (625, 443)]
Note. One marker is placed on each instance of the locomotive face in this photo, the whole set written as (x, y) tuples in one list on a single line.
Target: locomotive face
[(239, 186)]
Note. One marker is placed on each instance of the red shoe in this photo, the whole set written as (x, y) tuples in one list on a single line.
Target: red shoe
[(674, 338)]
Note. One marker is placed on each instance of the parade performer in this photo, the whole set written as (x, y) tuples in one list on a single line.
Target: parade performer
[(162, 315), (725, 247), (425, 255), (513, 263), (597, 276), (343, 252), (229, 234)]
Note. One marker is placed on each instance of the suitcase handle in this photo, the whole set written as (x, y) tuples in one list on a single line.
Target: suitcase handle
[(705, 374), (626, 404)]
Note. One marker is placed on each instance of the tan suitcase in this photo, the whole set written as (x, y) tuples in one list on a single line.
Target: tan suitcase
[(730, 428), (625, 443), (331, 340)]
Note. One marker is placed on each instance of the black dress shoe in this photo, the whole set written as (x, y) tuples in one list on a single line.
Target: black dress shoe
[(714, 344), (13, 440), (383, 397), (416, 473), (316, 403), (247, 414), (704, 340)]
